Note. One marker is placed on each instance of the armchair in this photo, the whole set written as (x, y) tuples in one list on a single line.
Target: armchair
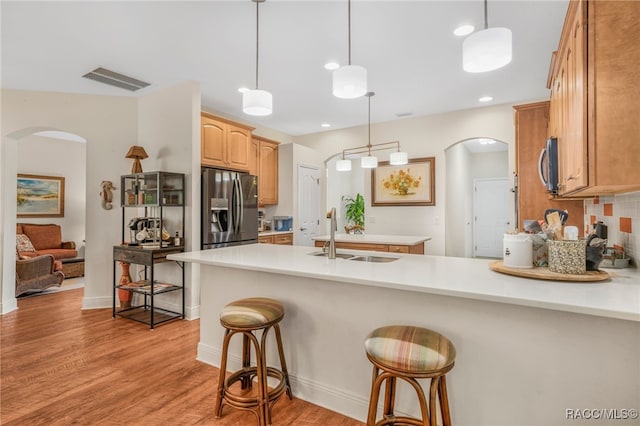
[(37, 274)]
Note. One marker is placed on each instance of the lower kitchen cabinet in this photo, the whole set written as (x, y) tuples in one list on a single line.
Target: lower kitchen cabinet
[(387, 248), (285, 238), (147, 310)]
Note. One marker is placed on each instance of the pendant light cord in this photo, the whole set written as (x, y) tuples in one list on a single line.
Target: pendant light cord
[(486, 22), (369, 95), (349, 19), (258, 38)]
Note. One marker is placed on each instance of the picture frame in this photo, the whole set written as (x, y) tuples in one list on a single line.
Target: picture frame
[(412, 184), (40, 196)]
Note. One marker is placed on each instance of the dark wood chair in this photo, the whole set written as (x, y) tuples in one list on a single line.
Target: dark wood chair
[(37, 274)]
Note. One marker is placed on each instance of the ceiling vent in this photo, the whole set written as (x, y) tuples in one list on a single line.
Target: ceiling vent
[(113, 78)]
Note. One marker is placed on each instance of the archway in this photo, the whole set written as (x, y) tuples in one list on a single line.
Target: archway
[(39, 146), (467, 162)]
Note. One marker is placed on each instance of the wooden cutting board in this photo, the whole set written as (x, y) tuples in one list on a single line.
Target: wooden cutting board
[(543, 273)]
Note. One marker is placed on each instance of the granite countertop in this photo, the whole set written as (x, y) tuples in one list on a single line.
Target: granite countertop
[(375, 239), (450, 276)]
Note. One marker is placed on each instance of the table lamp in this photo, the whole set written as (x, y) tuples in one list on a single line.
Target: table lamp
[(137, 153)]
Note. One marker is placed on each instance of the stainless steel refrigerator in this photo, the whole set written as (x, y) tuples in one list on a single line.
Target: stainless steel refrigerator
[(229, 208)]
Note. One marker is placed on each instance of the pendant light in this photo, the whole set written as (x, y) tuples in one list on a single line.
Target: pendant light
[(369, 161), (488, 49), (257, 102), (349, 81)]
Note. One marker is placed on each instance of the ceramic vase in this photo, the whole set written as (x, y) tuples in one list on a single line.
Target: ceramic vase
[(125, 295)]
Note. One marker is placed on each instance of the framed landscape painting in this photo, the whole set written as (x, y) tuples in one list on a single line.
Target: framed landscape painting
[(40, 196), (412, 184)]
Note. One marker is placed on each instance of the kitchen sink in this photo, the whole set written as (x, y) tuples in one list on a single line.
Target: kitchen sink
[(338, 255), (375, 259)]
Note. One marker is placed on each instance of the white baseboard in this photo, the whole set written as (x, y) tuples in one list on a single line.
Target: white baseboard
[(332, 398), (101, 302), (8, 305)]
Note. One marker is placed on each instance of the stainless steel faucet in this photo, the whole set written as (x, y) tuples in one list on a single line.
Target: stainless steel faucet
[(332, 240)]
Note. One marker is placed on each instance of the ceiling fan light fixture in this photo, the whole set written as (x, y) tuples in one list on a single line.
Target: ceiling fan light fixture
[(487, 50), (398, 158), (349, 82), (257, 102)]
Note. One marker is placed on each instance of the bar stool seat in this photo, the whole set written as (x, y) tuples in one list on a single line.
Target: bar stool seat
[(409, 353), (247, 317)]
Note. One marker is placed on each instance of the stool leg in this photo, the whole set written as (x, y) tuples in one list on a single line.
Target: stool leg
[(217, 411), (389, 396), (283, 362), (444, 402), (245, 381), (376, 384), (433, 391), (261, 358)]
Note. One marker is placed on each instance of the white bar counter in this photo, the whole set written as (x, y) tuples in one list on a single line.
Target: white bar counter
[(527, 350)]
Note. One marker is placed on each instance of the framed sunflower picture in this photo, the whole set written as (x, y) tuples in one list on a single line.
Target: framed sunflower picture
[(412, 184)]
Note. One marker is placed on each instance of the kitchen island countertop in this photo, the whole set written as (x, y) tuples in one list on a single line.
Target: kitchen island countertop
[(448, 276)]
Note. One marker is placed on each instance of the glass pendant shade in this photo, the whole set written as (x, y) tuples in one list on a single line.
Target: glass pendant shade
[(486, 50), (398, 158), (257, 102), (349, 82), (343, 165), (369, 162)]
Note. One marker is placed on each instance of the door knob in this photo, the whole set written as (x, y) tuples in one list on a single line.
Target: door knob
[(303, 229)]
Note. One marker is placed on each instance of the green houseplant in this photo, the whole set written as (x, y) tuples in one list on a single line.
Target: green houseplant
[(354, 213)]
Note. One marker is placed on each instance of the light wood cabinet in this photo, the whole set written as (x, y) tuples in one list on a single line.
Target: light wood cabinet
[(594, 98), (224, 144), (533, 198), (264, 164), (283, 239), (387, 248)]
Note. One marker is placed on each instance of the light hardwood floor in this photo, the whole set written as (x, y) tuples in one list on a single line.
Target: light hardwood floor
[(61, 365)]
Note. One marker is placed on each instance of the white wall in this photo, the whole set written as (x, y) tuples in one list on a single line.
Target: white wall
[(41, 155), (421, 137)]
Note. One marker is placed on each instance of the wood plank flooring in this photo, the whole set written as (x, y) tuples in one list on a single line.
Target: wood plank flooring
[(61, 365)]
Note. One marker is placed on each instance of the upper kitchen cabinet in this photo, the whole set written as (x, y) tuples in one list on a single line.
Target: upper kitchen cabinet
[(594, 109), (533, 198), (264, 164), (224, 144)]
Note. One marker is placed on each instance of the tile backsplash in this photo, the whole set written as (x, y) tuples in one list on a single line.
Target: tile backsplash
[(621, 214)]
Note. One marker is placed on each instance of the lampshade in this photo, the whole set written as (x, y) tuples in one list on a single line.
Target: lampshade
[(343, 165), (349, 81), (137, 153), (369, 162), (486, 50), (398, 158), (257, 102)]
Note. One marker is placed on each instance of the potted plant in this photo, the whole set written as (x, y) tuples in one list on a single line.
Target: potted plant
[(354, 214)]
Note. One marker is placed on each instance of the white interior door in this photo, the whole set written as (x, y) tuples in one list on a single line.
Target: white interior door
[(308, 204), (491, 216)]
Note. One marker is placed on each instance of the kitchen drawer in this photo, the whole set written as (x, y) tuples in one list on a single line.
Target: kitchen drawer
[(363, 246), (398, 249), (285, 239), (267, 239)]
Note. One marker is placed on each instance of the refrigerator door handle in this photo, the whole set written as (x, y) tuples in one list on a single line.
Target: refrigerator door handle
[(237, 200), (240, 205)]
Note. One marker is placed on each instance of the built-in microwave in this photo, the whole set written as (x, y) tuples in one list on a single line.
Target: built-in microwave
[(548, 165)]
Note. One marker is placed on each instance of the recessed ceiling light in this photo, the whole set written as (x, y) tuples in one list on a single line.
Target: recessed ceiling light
[(464, 30), (485, 99), (243, 89), (331, 66), (325, 125)]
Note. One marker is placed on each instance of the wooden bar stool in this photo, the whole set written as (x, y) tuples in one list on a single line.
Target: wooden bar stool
[(247, 317), (409, 353)]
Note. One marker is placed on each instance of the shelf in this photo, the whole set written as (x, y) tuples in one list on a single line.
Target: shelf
[(143, 314), (143, 287)]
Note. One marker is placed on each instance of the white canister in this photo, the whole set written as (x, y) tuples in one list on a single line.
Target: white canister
[(517, 251)]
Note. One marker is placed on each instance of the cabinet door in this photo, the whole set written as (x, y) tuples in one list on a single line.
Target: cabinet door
[(212, 142), (268, 182), (237, 153), (283, 239), (254, 155), (575, 160)]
